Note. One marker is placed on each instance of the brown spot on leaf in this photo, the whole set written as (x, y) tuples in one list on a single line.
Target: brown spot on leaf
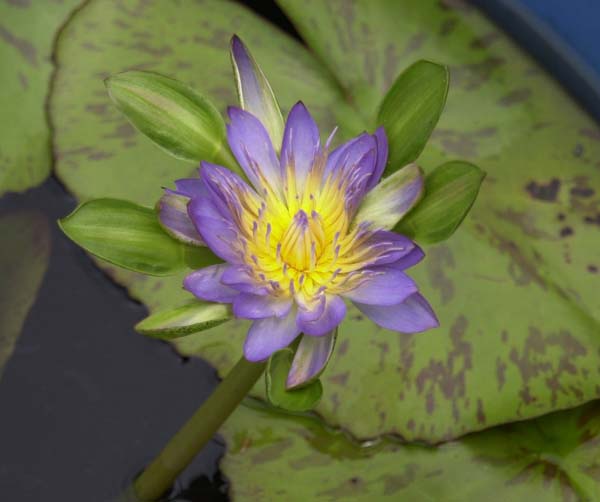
[(447, 27), (521, 269), (515, 97), (98, 108), (23, 46), (500, 372), (155, 52), (99, 155), (592, 220), (550, 473), (23, 81), (339, 379), (439, 260), (546, 192), (566, 231), (455, 5), (122, 131), (524, 220), (485, 41), (449, 376), (343, 347), (593, 471), (350, 488), (578, 150), (462, 143), (591, 133), (472, 76), (582, 191), (312, 460), (272, 452), (593, 269), (395, 482), (480, 412), (534, 361)]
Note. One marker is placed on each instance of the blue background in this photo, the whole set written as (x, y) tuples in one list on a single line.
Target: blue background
[(564, 35)]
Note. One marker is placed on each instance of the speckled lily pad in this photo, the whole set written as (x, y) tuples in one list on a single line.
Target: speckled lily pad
[(552, 459), (27, 31), (515, 287)]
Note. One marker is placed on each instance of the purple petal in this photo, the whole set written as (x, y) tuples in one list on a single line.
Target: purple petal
[(332, 315), (312, 308), (255, 93), (383, 286), (383, 247), (239, 278), (409, 260), (414, 315), (346, 157), (190, 187), (174, 218), (349, 152), (249, 306), (225, 189), (382, 156), (312, 355), (269, 335), (354, 163), (206, 284), (217, 231), (301, 143), (252, 147)]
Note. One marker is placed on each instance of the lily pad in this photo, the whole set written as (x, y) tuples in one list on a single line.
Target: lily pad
[(23, 263), (27, 31), (553, 458), (515, 287)]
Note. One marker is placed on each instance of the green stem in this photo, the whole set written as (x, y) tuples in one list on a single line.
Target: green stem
[(160, 475)]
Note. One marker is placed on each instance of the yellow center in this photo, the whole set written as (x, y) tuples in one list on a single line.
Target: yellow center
[(300, 241)]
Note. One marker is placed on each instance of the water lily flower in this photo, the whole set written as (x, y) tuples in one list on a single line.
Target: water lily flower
[(307, 230)]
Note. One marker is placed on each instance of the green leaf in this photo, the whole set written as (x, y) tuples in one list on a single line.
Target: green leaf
[(23, 263), (255, 93), (178, 119), (185, 320), (296, 458), (450, 191), (128, 235), (27, 30), (517, 301), (301, 399), (411, 109)]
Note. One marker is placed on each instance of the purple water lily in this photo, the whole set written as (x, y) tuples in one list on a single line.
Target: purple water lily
[(309, 229)]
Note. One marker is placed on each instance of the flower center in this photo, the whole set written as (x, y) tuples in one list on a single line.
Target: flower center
[(303, 241)]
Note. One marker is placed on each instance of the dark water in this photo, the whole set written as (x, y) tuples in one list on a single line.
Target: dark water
[(85, 401)]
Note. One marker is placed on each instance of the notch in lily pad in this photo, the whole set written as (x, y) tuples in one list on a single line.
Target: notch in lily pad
[(297, 400), (178, 119)]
